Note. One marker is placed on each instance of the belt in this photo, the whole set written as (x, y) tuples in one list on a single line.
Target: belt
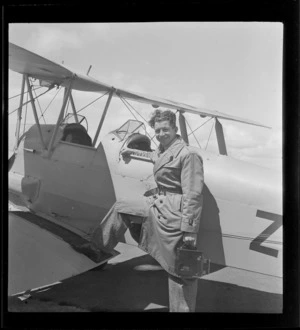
[(162, 191)]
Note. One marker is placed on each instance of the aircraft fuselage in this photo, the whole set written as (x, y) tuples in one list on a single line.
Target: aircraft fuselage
[(241, 223)]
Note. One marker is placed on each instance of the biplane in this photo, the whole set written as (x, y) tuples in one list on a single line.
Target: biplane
[(69, 182)]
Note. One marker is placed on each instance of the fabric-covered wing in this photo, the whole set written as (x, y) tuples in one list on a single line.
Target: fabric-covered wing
[(26, 62), (156, 101)]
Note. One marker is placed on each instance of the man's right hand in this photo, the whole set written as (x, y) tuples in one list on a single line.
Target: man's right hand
[(190, 239), (126, 150)]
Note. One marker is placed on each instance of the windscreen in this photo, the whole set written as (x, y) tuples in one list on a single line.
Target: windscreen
[(131, 126)]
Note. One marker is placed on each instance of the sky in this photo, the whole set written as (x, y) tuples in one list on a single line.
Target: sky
[(234, 68)]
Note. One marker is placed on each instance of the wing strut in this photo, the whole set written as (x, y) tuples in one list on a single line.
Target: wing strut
[(60, 117), (34, 111), (20, 113), (220, 138), (103, 116), (73, 108)]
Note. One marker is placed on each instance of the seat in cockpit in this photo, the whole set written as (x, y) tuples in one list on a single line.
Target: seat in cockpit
[(76, 133)]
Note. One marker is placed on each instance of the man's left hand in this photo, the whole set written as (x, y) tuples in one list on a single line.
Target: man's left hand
[(190, 239)]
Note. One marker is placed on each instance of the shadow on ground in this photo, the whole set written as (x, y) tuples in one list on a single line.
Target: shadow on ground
[(121, 287)]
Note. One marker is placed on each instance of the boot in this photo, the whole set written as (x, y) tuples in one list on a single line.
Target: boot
[(91, 252)]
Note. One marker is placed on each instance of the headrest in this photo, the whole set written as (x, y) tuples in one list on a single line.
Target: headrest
[(137, 137), (75, 126)]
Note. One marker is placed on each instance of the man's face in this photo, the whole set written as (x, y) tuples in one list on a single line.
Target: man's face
[(164, 133)]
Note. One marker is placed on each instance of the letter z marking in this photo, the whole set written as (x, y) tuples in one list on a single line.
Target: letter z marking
[(255, 245)]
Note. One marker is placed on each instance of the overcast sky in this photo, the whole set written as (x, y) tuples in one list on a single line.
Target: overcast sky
[(235, 68)]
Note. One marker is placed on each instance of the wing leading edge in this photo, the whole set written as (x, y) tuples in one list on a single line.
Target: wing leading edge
[(26, 62)]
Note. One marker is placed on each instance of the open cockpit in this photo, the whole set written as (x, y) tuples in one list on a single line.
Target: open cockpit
[(130, 132), (76, 133)]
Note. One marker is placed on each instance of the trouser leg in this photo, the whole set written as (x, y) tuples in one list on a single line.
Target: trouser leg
[(109, 231), (182, 294)]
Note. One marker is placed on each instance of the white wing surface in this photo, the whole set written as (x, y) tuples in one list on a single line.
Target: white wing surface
[(26, 62)]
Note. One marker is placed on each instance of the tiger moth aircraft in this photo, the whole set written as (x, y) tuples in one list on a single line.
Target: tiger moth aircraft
[(68, 183)]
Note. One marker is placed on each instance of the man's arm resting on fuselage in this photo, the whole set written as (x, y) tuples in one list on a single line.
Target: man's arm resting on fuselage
[(127, 152)]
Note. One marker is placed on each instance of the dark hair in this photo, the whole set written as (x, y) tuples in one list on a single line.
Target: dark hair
[(162, 115)]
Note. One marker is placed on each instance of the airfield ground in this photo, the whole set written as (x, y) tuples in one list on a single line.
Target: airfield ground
[(133, 282)]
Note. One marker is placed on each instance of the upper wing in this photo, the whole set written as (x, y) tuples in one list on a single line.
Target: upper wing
[(156, 101), (26, 62)]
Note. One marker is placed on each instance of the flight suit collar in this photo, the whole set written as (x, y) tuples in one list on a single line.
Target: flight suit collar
[(167, 156)]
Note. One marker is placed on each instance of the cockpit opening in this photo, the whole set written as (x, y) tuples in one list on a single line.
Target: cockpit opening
[(139, 141), (76, 133)]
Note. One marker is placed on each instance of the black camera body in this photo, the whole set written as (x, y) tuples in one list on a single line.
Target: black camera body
[(191, 263)]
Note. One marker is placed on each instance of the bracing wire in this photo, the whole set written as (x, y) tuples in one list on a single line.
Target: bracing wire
[(201, 126), (98, 98), (127, 104), (123, 100), (10, 98), (193, 134), (51, 102), (135, 110), (127, 107), (30, 101), (210, 134), (153, 138), (39, 107)]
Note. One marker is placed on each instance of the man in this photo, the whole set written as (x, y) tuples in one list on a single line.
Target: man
[(175, 209)]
